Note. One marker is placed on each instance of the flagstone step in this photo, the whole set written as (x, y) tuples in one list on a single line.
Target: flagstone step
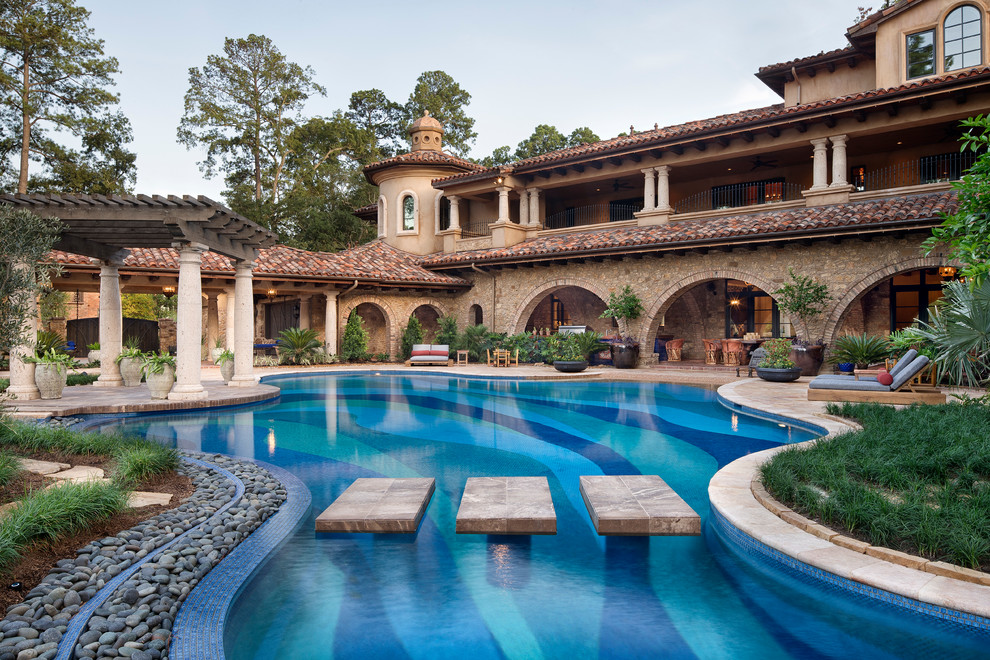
[(637, 505), (378, 505), (506, 505), (42, 467)]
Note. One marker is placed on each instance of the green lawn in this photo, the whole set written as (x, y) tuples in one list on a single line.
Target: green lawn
[(916, 479)]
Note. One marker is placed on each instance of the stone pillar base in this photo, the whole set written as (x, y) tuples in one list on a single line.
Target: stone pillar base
[(108, 382), (506, 234), (242, 381), (825, 196), (24, 393), (178, 395), (653, 217)]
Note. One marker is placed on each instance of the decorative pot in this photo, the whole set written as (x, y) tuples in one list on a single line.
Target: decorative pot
[(570, 366), (161, 384), (778, 375), (50, 379), (214, 354), (130, 371), (625, 356), (808, 358), (93, 356), (227, 371), (846, 367)]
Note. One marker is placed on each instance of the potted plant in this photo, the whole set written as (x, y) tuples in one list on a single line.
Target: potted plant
[(860, 350), (777, 365), (130, 360), (94, 352), (805, 298), (159, 371), (624, 307), (216, 350), (50, 372), (566, 354), (225, 360)]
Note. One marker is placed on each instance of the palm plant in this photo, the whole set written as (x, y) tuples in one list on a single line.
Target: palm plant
[(297, 346), (588, 343), (476, 340), (959, 329), (862, 350)]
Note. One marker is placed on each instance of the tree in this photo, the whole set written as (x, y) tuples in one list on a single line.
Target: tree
[(967, 231), (25, 243), (411, 335), (354, 345), (582, 135), (545, 138), (501, 156), (371, 111), (445, 99), (243, 106), (53, 81)]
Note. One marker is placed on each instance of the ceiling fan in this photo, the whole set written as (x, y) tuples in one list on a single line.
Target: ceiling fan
[(618, 185), (758, 162)]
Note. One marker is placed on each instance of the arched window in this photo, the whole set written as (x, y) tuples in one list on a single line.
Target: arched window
[(382, 214), (476, 315), (408, 213), (963, 37), (443, 217)]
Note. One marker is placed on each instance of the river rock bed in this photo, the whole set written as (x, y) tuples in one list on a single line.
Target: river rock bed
[(136, 620)]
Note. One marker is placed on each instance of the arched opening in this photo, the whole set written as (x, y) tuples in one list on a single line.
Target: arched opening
[(428, 317), (376, 326), (895, 302), (476, 315), (568, 305)]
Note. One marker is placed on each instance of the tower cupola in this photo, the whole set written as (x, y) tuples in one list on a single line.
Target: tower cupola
[(426, 133)]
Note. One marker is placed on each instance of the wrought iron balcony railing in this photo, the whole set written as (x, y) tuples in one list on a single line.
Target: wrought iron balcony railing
[(740, 194), (477, 228), (592, 214), (927, 169)]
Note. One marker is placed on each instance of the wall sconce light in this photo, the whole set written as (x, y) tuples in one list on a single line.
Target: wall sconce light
[(946, 271), (271, 293), (498, 181), (168, 290), (734, 301)]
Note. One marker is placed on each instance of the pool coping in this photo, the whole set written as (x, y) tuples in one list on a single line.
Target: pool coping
[(734, 498)]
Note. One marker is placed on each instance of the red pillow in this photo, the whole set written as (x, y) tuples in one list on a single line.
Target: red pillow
[(884, 378), (415, 353), (436, 353)]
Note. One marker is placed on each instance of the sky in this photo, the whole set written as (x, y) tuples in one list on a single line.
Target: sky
[(606, 65)]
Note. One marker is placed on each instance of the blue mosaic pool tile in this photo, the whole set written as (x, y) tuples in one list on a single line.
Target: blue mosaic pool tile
[(754, 547), (198, 630), (771, 417)]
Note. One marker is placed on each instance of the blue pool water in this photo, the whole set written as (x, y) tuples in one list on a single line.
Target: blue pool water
[(436, 594)]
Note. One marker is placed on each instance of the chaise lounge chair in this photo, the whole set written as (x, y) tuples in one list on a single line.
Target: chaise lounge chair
[(900, 391)]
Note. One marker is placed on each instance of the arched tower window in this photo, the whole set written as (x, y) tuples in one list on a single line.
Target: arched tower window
[(408, 213), (963, 35)]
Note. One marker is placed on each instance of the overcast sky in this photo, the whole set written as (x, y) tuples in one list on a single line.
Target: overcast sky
[(606, 65)]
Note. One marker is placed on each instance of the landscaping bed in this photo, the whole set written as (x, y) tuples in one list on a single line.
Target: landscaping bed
[(915, 480)]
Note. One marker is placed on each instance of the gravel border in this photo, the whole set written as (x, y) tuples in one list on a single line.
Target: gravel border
[(136, 618)]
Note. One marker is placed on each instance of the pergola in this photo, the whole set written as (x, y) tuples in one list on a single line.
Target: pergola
[(103, 227)]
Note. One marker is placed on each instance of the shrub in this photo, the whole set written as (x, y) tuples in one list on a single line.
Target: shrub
[(476, 341), (588, 343), (297, 346), (354, 345), (413, 334), (862, 350), (447, 332), (133, 465), (778, 354)]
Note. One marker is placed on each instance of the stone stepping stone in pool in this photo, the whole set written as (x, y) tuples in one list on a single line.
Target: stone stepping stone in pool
[(378, 505), (506, 505), (637, 505)]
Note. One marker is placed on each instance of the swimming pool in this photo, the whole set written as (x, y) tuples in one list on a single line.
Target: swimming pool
[(436, 594)]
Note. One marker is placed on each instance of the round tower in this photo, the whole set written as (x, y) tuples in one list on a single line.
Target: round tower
[(426, 133)]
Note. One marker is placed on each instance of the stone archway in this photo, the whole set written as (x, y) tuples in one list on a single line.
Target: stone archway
[(541, 291), (379, 323), (833, 321), (428, 316)]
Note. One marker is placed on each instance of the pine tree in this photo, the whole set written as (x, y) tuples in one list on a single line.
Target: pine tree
[(354, 345)]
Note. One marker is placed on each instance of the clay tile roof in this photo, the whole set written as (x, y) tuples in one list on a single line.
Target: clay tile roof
[(426, 121), (373, 261), (900, 210), (883, 14), (423, 157), (824, 56)]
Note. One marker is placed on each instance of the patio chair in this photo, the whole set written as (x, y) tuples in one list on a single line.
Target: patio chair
[(713, 351), (869, 390), (674, 347), (734, 352)]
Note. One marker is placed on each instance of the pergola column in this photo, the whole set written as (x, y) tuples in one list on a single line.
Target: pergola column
[(188, 325), (663, 188), (523, 208), (503, 204), (231, 321), (243, 325), (330, 322), (111, 326), (22, 373), (304, 312), (820, 180), (649, 189), (455, 215), (212, 321), (534, 207), (839, 167)]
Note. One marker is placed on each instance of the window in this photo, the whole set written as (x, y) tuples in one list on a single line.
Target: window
[(749, 309), (963, 38), (921, 54), (912, 293), (857, 177), (444, 219), (408, 213), (382, 213)]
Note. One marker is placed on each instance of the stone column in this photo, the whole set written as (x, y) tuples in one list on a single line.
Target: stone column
[(212, 321), (503, 204), (330, 322), (523, 208), (243, 325), (839, 167), (22, 373), (304, 312), (663, 188), (534, 207), (188, 325), (821, 164), (455, 213), (649, 189), (111, 326), (231, 320)]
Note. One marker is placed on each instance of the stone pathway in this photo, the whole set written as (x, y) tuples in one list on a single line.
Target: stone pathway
[(378, 505), (63, 472), (506, 505)]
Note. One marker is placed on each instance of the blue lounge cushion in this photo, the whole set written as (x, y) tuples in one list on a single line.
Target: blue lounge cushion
[(903, 362), (848, 384), (910, 371)]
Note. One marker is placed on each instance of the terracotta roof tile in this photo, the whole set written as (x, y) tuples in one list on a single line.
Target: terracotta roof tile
[(422, 157), (754, 226), (807, 60)]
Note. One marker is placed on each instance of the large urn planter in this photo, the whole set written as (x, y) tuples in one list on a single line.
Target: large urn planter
[(93, 356), (227, 371), (779, 375), (808, 358), (130, 371), (570, 366), (161, 384), (50, 379), (625, 356)]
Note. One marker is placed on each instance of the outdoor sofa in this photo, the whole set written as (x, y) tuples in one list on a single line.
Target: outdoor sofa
[(432, 354), (832, 387)]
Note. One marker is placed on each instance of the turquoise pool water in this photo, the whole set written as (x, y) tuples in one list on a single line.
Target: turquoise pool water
[(436, 594)]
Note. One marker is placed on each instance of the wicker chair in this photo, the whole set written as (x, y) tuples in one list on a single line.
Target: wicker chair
[(735, 352), (713, 351), (674, 347)]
